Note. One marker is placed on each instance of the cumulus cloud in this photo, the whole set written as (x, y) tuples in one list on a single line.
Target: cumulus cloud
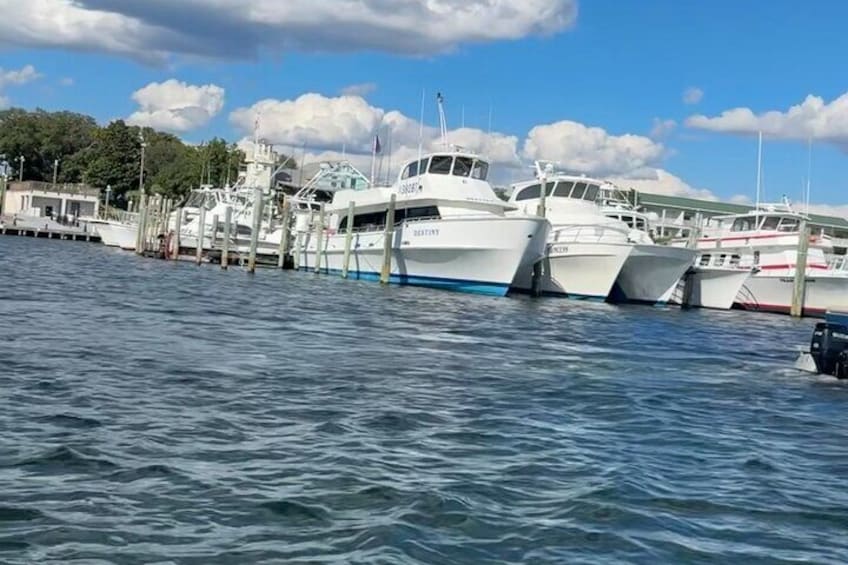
[(692, 95), (361, 90), (591, 150), (176, 106), (813, 118), (660, 181), (157, 29), (15, 78)]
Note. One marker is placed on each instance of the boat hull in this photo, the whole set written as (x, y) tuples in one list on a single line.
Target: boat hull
[(651, 273), (116, 234), (477, 255), (714, 288), (773, 293), (577, 270)]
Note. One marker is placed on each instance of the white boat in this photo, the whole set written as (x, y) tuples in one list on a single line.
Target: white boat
[(119, 229), (767, 239), (451, 230), (713, 282), (652, 272), (586, 250)]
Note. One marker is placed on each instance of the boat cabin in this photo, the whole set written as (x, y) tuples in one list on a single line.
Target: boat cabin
[(785, 223), (577, 189), (457, 165)]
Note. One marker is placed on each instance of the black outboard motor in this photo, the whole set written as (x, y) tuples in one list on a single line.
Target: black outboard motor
[(829, 349)]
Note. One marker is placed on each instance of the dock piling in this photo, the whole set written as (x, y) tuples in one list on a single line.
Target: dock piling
[(284, 235), (541, 211), (319, 239), (177, 227), (799, 286), (225, 248), (348, 239), (254, 230), (388, 240), (201, 235)]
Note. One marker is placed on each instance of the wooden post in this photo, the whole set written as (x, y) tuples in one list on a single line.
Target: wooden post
[(541, 210), (284, 235), (201, 233), (388, 240), (319, 239), (297, 252), (142, 217), (254, 231), (177, 227), (3, 182), (225, 248), (800, 283), (213, 238), (348, 239)]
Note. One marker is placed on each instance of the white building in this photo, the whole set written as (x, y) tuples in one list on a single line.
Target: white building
[(43, 199)]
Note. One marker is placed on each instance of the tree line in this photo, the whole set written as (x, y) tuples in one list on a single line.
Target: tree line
[(110, 155)]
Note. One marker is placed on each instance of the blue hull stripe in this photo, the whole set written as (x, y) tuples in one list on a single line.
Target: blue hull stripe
[(459, 285)]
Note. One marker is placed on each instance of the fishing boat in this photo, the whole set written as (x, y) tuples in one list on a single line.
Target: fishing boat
[(586, 250), (118, 229), (713, 282), (767, 239), (652, 272)]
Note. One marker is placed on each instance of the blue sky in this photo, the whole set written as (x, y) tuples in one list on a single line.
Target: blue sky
[(622, 66)]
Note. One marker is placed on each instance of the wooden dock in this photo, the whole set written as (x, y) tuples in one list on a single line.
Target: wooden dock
[(29, 231)]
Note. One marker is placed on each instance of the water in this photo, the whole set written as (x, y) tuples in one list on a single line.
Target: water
[(163, 413)]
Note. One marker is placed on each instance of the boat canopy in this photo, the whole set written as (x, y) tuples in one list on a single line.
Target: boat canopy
[(788, 223), (447, 164), (578, 189)]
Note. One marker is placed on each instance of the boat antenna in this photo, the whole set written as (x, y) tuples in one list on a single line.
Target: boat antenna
[(443, 125), (809, 173), (759, 170), (389, 165), (421, 127), (489, 130), (462, 123)]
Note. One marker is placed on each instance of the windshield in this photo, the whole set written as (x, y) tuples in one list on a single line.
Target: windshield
[(480, 170), (441, 164)]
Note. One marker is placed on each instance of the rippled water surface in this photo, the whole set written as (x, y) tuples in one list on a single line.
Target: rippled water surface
[(155, 412)]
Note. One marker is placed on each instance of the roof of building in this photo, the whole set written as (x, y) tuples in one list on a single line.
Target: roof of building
[(716, 207), (63, 188)]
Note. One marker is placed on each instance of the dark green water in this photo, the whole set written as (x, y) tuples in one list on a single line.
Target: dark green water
[(163, 413)]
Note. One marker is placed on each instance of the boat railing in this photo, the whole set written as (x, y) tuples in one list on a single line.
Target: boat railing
[(839, 263), (582, 233), (117, 215)]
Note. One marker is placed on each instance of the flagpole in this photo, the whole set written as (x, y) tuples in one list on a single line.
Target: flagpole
[(373, 161)]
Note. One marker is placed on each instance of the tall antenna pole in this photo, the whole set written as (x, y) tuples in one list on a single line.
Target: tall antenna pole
[(489, 128), (809, 173), (443, 125), (759, 167), (462, 123), (421, 128)]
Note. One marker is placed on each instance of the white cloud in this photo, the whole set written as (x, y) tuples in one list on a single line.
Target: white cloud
[(176, 106), (813, 118), (362, 90), (156, 29), (662, 128), (660, 181), (591, 150), (17, 77), (67, 81), (692, 95)]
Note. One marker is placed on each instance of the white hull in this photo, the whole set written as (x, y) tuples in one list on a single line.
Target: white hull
[(711, 287), (116, 234), (773, 293), (578, 270), (479, 255), (651, 273)]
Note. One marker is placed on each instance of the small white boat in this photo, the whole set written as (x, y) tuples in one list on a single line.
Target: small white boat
[(586, 250), (713, 282), (767, 240), (652, 272), (118, 232)]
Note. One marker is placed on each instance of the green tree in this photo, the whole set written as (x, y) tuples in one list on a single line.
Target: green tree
[(115, 160)]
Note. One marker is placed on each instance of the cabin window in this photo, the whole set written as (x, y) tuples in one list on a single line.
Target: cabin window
[(641, 225), (462, 166), (417, 213), (788, 225), (411, 170), (735, 260), (374, 220), (705, 260), (592, 192), (480, 170), (531, 192), (770, 223), (756, 257), (563, 188), (579, 190), (441, 164), (627, 220), (743, 224)]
